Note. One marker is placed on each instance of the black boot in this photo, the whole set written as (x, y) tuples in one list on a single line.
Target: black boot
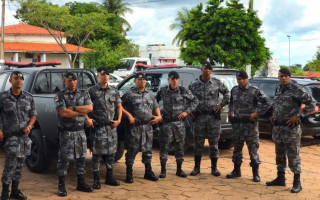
[(5, 191), (196, 169), (296, 184), (279, 181), (82, 185), (96, 181), (15, 192), (214, 170), (61, 187), (236, 172), (163, 170), (129, 178), (149, 175), (180, 172), (110, 179), (255, 173)]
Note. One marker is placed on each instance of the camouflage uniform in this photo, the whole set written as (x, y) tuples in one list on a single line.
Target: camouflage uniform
[(105, 137), (242, 103), (72, 138), (206, 123), (288, 100), (15, 115), (174, 103), (141, 106)]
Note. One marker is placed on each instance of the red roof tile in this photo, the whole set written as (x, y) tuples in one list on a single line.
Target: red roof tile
[(40, 47), (26, 29), (309, 73)]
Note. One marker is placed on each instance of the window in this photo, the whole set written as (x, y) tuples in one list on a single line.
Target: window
[(42, 83), (268, 88), (186, 79), (3, 78), (228, 80), (26, 79), (84, 80), (56, 82), (315, 90)]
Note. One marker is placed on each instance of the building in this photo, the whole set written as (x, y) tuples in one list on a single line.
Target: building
[(27, 43)]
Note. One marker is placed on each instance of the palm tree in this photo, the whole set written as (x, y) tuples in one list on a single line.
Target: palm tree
[(179, 24), (119, 9)]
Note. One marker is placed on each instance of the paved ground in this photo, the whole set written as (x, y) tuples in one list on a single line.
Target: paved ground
[(203, 186)]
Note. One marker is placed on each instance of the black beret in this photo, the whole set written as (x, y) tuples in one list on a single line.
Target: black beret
[(103, 70), (173, 75), (242, 74), (285, 71), (70, 75), (140, 75), (206, 64), (18, 73)]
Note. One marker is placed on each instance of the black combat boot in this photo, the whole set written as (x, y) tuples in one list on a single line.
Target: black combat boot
[(180, 172), (96, 180), (255, 172), (5, 191), (82, 185), (163, 169), (148, 174), (61, 187), (296, 184), (196, 169), (236, 172), (15, 192), (214, 170), (110, 179), (129, 178), (279, 181)]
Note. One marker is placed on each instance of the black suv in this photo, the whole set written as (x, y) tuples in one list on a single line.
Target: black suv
[(311, 124), (157, 77)]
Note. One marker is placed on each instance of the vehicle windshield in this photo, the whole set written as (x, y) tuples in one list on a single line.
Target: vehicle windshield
[(125, 65), (227, 80), (315, 89)]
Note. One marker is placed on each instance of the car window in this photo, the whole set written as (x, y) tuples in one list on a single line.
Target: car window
[(268, 88), (42, 83), (315, 90), (228, 80), (84, 80), (26, 79), (186, 79), (56, 82), (3, 78)]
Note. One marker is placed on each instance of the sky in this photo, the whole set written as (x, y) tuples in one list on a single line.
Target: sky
[(298, 19)]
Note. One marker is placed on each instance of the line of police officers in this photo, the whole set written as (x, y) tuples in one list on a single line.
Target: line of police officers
[(101, 108)]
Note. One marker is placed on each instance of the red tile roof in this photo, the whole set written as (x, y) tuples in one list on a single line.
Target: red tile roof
[(309, 73), (40, 47), (26, 29)]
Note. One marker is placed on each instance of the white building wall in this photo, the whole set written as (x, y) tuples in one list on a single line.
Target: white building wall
[(161, 51), (32, 39), (49, 57)]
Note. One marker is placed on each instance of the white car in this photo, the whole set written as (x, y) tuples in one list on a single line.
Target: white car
[(114, 79)]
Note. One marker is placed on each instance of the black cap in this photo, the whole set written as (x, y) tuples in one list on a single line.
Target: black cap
[(206, 64), (103, 70), (173, 75), (242, 74), (70, 75), (18, 73), (285, 71), (140, 75)]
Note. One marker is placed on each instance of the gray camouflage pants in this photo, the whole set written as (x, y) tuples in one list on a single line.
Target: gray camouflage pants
[(174, 131), (140, 139), (108, 160)]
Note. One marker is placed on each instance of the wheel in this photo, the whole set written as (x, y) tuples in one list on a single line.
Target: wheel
[(225, 144), (37, 161), (118, 154)]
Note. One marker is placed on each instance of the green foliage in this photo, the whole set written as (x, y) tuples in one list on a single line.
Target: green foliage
[(295, 69), (228, 35), (314, 65)]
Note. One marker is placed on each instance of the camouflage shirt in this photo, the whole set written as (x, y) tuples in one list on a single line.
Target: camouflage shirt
[(208, 93), (65, 99), (244, 101), (15, 113), (288, 100), (176, 101), (140, 104), (104, 102)]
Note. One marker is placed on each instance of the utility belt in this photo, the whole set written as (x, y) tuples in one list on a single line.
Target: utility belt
[(72, 129), (283, 123), (99, 124), (16, 133), (240, 120), (170, 120), (140, 123), (208, 112)]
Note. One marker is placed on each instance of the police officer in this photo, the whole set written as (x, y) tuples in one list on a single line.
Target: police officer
[(243, 115), (106, 103), (142, 111), (178, 102), (17, 116), (286, 132), (72, 105), (207, 116)]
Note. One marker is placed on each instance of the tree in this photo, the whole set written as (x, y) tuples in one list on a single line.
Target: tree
[(60, 23), (179, 24), (314, 65), (228, 35), (295, 69)]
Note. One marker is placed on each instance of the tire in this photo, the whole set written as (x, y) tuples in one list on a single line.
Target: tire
[(37, 162), (119, 153), (225, 144)]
